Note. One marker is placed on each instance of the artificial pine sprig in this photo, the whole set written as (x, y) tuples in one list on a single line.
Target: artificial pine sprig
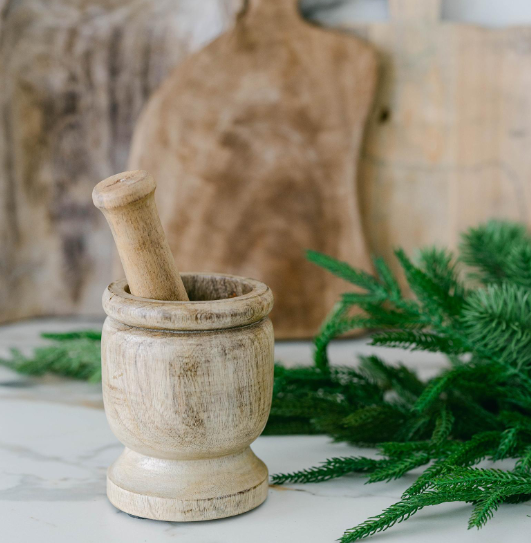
[(330, 469), (477, 409)]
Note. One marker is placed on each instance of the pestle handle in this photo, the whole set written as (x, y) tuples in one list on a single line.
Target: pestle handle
[(128, 203)]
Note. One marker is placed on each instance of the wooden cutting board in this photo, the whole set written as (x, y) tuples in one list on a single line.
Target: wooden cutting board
[(254, 144), (447, 145), (74, 75)]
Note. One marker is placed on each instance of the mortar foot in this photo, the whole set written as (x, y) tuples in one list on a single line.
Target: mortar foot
[(187, 490)]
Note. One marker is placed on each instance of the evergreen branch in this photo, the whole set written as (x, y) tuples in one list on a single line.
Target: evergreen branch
[(397, 378), (487, 247), (508, 443), (331, 328), (394, 469), (486, 372), (443, 426), (94, 335), (415, 340), (439, 265), (435, 300), (465, 454), (403, 510), (397, 449), (330, 469), (523, 464), (518, 265), (470, 477), (485, 507), (415, 427), (388, 280), (343, 270), (497, 319), (74, 354)]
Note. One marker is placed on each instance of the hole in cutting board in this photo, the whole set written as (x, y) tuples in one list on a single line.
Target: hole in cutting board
[(385, 115)]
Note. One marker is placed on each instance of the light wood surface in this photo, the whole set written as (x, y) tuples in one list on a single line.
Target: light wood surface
[(128, 203), (239, 302), (448, 138), (254, 144), (73, 77), (187, 390)]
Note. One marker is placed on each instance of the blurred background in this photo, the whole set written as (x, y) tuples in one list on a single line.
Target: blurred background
[(349, 127)]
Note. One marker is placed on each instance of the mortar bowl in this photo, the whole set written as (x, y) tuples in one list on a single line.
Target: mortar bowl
[(187, 388)]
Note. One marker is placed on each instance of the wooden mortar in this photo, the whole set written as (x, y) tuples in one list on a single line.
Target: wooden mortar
[(187, 387)]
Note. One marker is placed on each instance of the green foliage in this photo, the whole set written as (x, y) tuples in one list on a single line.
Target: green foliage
[(72, 354), (403, 510), (474, 307), (497, 319), (477, 409), (443, 426), (485, 507), (498, 252), (330, 469)]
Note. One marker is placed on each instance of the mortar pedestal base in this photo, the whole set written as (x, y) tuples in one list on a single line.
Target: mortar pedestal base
[(187, 490)]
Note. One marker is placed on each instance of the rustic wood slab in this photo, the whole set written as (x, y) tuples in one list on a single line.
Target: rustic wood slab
[(447, 144), (74, 75), (254, 144)]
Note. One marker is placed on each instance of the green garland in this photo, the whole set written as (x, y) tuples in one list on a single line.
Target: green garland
[(478, 408)]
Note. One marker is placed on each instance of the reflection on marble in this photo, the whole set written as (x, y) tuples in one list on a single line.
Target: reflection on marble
[(55, 446)]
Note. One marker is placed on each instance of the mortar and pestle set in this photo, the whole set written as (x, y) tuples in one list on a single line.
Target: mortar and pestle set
[(187, 372)]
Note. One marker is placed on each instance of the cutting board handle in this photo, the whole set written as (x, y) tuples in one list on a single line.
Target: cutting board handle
[(279, 11), (407, 11)]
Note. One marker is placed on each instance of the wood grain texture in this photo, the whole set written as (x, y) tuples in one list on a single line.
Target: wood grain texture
[(74, 75), (447, 140), (239, 302), (254, 143), (127, 200), (187, 401)]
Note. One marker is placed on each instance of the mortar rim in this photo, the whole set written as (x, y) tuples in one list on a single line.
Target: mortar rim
[(219, 314)]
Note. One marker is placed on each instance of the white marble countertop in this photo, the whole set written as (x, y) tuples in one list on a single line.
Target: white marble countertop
[(55, 446)]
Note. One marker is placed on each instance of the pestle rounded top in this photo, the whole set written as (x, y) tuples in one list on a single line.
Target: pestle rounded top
[(123, 189)]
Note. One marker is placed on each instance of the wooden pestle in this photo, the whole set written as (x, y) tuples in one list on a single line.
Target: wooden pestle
[(128, 203)]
